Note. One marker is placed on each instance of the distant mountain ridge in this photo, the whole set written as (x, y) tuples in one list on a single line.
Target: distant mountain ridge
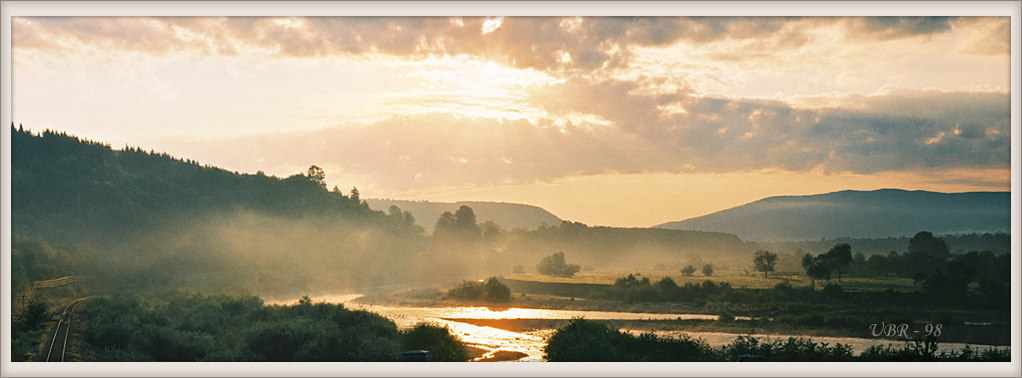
[(858, 214), (507, 215)]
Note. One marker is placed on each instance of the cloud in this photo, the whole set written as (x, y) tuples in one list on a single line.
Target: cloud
[(990, 35), (898, 27), (547, 43), (677, 132), (573, 118)]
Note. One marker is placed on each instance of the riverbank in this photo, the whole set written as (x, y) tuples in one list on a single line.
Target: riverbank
[(435, 298), (853, 323)]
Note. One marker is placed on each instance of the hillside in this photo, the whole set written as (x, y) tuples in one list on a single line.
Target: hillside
[(506, 215), (150, 219), (859, 214)]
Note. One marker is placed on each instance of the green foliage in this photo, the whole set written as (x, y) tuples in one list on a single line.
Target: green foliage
[(708, 270), (791, 350), (27, 330), (179, 326), (633, 289), (555, 265), (36, 314), (816, 267), (154, 221), (925, 350), (584, 340), (461, 225), (438, 340), (317, 176), (764, 261), (839, 258), (490, 290), (688, 270), (927, 253)]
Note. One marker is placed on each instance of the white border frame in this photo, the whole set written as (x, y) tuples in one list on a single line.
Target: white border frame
[(10, 9)]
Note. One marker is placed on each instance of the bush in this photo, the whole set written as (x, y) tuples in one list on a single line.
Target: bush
[(555, 265), (791, 350), (584, 340), (688, 270), (491, 290), (438, 340), (190, 327), (783, 287)]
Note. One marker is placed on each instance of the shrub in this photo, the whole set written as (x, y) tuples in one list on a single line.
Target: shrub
[(438, 340), (491, 290), (584, 340), (191, 327), (790, 350), (555, 265), (708, 270), (783, 287), (688, 270)]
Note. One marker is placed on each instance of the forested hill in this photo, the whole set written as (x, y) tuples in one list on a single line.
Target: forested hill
[(859, 214), (506, 215), (121, 207)]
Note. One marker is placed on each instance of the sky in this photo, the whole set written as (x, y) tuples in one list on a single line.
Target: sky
[(617, 121)]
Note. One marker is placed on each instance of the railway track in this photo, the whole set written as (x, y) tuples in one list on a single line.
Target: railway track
[(57, 348)]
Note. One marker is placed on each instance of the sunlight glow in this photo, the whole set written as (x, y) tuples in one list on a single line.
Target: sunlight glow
[(492, 24)]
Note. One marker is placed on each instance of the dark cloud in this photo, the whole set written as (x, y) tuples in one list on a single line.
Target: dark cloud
[(898, 27)]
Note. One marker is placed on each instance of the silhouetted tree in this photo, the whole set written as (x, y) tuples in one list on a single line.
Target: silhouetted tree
[(927, 253), (460, 226), (316, 175), (707, 270), (859, 263), (816, 268), (764, 261), (688, 270), (839, 258), (555, 265)]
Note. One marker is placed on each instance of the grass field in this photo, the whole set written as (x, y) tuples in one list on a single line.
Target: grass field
[(738, 279)]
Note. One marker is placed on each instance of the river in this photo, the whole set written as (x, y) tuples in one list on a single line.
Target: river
[(531, 343)]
